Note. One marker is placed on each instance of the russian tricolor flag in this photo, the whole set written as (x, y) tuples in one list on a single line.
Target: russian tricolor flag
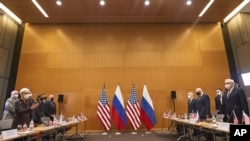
[(118, 114), (147, 110)]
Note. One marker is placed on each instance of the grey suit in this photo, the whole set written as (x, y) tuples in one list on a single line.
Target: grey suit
[(9, 109)]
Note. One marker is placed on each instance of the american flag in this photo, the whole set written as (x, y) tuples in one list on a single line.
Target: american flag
[(245, 118), (133, 110), (103, 110), (235, 118)]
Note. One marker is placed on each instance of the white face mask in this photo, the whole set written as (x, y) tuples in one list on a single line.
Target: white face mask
[(15, 96), (26, 96), (227, 86), (189, 96)]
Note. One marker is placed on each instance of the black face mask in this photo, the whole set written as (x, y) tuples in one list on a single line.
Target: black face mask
[(198, 93), (52, 99)]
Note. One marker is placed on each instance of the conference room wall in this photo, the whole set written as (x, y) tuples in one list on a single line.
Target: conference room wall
[(8, 31), (78, 59), (239, 31)]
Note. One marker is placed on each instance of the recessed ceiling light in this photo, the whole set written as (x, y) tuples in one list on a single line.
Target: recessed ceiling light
[(58, 2), (102, 2), (147, 2), (189, 2)]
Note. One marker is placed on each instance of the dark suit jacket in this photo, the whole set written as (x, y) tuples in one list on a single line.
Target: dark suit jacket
[(203, 106), (236, 102), (22, 113), (219, 105), (192, 106), (52, 107)]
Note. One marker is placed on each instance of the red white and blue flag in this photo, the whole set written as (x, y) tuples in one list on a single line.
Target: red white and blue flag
[(103, 110), (245, 118), (118, 114), (147, 110), (133, 109), (236, 121), (197, 118)]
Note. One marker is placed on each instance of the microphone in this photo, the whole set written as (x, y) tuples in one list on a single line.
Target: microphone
[(231, 113)]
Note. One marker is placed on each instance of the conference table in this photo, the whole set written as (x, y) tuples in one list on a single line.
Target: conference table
[(188, 126), (42, 131)]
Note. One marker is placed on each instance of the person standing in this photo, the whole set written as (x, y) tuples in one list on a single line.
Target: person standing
[(192, 103), (192, 108), (203, 104), (219, 102), (37, 113), (9, 108), (22, 109), (235, 100), (52, 105)]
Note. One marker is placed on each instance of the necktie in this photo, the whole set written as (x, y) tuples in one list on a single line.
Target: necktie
[(228, 93)]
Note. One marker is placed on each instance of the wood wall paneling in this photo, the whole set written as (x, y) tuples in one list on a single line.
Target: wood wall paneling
[(76, 60)]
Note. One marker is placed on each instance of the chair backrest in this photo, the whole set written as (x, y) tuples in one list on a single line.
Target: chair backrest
[(45, 120), (219, 117), (5, 124)]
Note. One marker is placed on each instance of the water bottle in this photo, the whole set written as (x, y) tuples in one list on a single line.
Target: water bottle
[(213, 119), (54, 121), (24, 126), (31, 125)]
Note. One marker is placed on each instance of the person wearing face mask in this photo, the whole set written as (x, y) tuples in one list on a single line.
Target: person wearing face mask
[(203, 107), (22, 109), (219, 102), (52, 105), (203, 104), (9, 108), (192, 103), (42, 105), (37, 113), (192, 108), (46, 106), (235, 100)]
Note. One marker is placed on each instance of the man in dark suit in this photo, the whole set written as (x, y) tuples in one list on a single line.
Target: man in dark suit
[(192, 108), (52, 105), (203, 104), (192, 103), (235, 100), (219, 102)]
